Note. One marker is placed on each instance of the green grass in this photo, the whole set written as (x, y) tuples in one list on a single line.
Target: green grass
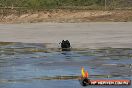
[(53, 4)]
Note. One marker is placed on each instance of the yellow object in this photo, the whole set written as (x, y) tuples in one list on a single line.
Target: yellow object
[(83, 72)]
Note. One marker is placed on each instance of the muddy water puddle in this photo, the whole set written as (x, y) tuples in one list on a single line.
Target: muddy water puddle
[(32, 65)]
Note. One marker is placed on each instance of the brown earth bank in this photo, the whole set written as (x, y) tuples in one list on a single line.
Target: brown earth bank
[(69, 16)]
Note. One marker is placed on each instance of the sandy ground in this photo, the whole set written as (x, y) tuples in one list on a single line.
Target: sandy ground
[(81, 35), (70, 16)]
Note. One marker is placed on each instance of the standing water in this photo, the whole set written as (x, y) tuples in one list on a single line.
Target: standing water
[(33, 65)]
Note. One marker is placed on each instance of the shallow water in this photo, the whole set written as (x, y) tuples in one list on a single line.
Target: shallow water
[(30, 65)]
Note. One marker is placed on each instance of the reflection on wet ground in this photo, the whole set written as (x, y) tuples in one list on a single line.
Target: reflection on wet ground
[(28, 65)]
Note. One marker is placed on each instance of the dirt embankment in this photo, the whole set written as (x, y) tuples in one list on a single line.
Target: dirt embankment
[(69, 16)]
